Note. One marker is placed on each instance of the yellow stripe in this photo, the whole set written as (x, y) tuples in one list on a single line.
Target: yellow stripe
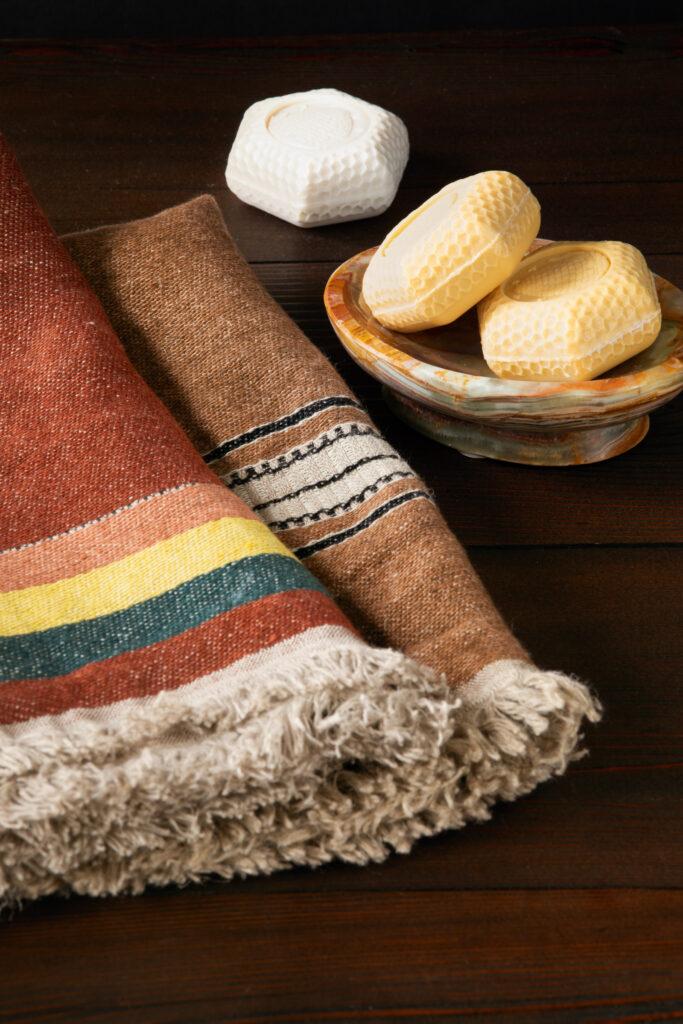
[(137, 577)]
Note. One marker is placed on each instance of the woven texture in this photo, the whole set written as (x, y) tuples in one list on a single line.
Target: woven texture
[(276, 422), (179, 695)]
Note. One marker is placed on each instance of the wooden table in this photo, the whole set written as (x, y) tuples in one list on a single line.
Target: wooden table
[(567, 906)]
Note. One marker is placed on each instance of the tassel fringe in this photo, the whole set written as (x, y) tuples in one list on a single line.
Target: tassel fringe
[(343, 753)]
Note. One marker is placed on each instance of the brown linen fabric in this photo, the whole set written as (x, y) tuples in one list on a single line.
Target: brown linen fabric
[(277, 423)]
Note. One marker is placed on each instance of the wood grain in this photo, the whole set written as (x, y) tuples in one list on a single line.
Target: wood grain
[(552, 109), (501, 956), (642, 213)]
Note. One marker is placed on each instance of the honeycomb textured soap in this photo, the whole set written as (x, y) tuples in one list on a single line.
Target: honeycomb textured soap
[(571, 311), (450, 252), (318, 157)]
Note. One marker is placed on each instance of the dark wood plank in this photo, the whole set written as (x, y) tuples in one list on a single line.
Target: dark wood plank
[(507, 956), (608, 614), (549, 108), (642, 213), (634, 498), (299, 287)]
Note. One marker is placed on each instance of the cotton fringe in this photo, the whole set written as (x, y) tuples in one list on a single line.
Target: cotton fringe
[(342, 752)]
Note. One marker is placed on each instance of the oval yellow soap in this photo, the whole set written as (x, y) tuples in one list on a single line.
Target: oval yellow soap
[(451, 252), (570, 311)]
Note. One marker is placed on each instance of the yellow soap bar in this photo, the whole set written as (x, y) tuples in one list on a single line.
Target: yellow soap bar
[(571, 311), (450, 252)]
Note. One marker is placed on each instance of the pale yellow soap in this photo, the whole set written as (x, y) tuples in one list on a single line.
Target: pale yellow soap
[(571, 311), (450, 252)]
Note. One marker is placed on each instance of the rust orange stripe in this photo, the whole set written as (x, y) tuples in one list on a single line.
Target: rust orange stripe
[(171, 663)]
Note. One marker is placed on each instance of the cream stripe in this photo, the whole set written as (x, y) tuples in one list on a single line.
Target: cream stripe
[(333, 500), (137, 577), (319, 476)]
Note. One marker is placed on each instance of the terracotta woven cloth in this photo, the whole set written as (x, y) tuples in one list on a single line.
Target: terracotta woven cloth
[(179, 695)]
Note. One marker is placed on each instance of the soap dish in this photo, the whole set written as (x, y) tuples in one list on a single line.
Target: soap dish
[(438, 382)]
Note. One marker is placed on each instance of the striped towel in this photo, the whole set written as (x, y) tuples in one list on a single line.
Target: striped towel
[(178, 694), (281, 428), (277, 424)]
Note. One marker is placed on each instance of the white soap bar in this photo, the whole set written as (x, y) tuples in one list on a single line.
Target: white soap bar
[(450, 252), (318, 157), (571, 311)]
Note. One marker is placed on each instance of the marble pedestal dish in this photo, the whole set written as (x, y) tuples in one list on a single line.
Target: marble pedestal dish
[(438, 382)]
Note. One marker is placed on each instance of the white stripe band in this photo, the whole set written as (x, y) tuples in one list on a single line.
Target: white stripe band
[(324, 478)]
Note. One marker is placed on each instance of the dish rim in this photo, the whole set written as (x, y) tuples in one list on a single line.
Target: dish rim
[(374, 350)]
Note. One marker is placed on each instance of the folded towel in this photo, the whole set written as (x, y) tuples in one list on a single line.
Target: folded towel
[(179, 694), (280, 427), (277, 423)]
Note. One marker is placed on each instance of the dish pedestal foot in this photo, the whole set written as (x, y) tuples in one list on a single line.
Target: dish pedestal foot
[(551, 445)]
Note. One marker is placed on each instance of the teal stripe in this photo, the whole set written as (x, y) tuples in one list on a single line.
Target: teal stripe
[(63, 649)]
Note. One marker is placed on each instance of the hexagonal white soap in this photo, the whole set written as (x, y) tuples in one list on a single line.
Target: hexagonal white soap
[(318, 157), (571, 311)]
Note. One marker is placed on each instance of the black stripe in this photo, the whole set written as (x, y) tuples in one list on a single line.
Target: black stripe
[(336, 538), (304, 413), (335, 478), (244, 476), (343, 506)]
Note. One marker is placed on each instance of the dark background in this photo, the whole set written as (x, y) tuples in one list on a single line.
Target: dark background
[(82, 19)]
